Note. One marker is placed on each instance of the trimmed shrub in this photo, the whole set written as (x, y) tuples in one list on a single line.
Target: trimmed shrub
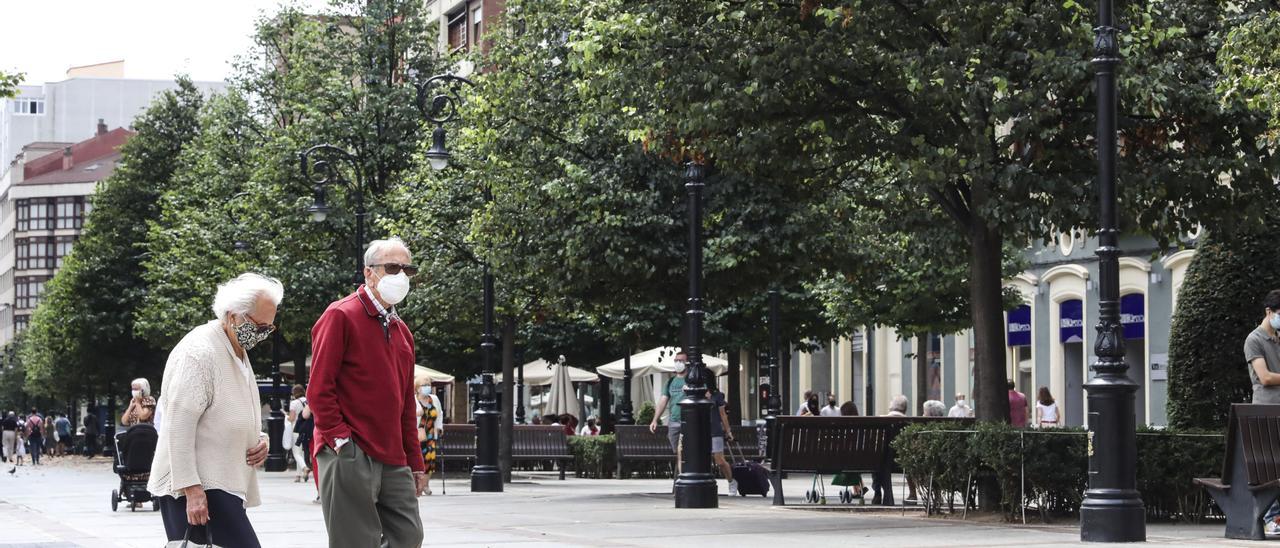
[(646, 413), (1053, 463), (594, 456), (1219, 304)]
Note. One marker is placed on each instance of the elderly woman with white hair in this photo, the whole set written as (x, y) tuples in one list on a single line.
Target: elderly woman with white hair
[(211, 438), (142, 408)]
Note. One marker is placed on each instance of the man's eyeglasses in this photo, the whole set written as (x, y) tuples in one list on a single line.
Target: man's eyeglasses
[(396, 268)]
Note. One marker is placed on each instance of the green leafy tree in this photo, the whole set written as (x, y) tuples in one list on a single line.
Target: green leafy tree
[(1219, 304), (82, 336), (337, 78), (9, 82), (1250, 58), (975, 118)]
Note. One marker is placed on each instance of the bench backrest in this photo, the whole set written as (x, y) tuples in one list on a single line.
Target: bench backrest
[(1253, 436), (634, 441), (835, 444), (457, 442), (746, 442), (539, 441)]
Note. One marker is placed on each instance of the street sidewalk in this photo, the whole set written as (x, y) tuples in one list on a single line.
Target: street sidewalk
[(66, 504)]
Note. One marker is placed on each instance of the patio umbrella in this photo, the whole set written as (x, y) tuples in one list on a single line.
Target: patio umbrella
[(538, 373), (562, 398), (435, 376), (657, 360)]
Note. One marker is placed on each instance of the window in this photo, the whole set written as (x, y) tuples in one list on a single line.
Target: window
[(458, 31), (29, 290), (52, 213), (36, 252), (70, 212), (476, 19), (28, 106), (20, 322), (63, 247)]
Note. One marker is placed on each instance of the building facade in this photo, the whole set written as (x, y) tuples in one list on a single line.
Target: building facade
[(463, 22), (1049, 338)]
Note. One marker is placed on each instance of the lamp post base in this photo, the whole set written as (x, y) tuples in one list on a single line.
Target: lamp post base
[(696, 491), (1112, 515), (276, 461), (1112, 510), (486, 479)]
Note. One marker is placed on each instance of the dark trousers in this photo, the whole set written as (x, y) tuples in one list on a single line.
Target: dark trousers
[(882, 483), (90, 445), (228, 523), (37, 447)]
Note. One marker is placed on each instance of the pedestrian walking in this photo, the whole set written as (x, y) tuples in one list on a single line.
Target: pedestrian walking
[(35, 436), (673, 391), (1046, 409), (361, 395), (804, 404), (9, 438), (430, 427), (300, 432), (882, 479), (721, 432), (1262, 354), (142, 407), (1017, 407), (90, 435), (50, 434), (62, 426), (211, 441)]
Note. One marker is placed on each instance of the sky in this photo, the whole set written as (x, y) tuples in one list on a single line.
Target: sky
[(156, 38)]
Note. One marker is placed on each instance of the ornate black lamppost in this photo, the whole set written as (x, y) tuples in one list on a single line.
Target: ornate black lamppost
[(1112, 510), (520, 386), (625, 413), (323, 171), (696, 487), (773, 403), (443, 108), (276, 459)]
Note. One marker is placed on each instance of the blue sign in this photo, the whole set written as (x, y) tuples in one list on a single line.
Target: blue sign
[(1071, 321), (1018, 326), (1133, 316)]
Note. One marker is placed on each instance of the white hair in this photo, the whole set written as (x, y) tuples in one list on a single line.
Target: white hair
[(146, 386), (934, 408), (378, 247), (898, 403), (240, 294)]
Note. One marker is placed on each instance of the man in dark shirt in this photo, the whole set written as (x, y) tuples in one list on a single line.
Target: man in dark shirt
[(10, 438), (90, 435)]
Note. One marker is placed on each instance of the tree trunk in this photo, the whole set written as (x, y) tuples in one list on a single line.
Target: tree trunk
[(505, 430), (784, 380), (986, 286), (922, 370), (734, 409)]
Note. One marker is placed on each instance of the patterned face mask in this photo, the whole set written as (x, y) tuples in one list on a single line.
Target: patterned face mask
[(249, 334)]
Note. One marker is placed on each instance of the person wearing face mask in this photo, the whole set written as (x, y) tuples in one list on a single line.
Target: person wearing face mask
[(211, 441), (832, 409), (674, 392), (142, 408), (1262, 354), (430, 427), (362, 398)]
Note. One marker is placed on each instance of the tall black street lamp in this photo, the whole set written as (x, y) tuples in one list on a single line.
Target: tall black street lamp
[(625, 413), (773, 403), (322, 171), (276, 459), (442, 109), (1112, 510), (696, 487)]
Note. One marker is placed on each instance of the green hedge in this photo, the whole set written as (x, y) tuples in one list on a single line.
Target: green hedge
[(1054, 463), (646, 413), (594, 456)]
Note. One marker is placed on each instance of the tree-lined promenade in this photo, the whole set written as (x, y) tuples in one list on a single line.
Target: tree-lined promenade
[(879, 164)]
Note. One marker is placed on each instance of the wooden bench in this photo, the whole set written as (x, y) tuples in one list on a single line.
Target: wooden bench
[(1250, 479), (529, 443), (829, 445), (636, 444)]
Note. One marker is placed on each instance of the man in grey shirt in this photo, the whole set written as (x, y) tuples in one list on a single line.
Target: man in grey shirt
[(1262, 353)]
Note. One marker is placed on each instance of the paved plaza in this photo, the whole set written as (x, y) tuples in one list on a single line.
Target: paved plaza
[(66, 504)]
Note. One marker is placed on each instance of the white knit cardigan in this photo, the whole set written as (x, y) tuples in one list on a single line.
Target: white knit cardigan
[(212, 417)]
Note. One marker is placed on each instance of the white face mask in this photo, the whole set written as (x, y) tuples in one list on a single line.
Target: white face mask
[(680, 367), (393, 289), (425, 391), (137, 393)]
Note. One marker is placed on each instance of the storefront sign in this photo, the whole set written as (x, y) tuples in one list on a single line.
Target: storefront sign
[(1133, 316), (1071, 321), (1018, 326)]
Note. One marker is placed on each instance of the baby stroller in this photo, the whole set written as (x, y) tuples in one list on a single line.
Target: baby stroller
[(135, 448)]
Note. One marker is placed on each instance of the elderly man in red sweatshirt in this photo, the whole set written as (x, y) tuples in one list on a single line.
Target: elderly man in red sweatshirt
[(361, 395)]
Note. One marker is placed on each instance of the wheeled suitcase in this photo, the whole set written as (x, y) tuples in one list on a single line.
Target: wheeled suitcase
[(752, 478)]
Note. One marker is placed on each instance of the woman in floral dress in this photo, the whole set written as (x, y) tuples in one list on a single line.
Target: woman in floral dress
[(430, 424)]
